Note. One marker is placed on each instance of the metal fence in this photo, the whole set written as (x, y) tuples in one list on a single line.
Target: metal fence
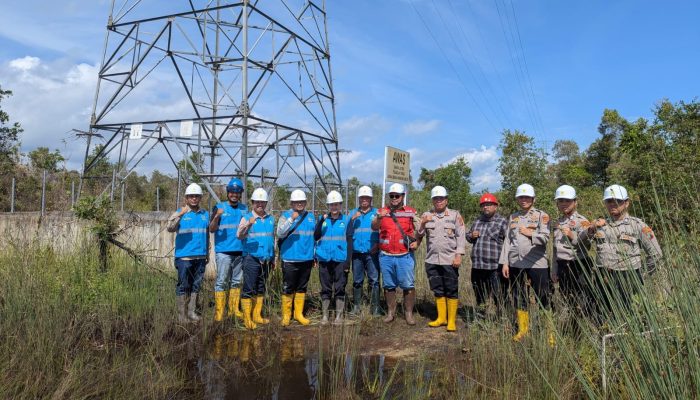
[(59, 191)]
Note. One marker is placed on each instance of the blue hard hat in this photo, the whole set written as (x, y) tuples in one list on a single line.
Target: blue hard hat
[(234, 185)]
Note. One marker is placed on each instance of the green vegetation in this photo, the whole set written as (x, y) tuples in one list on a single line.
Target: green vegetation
[(72, 328), (69, 331)]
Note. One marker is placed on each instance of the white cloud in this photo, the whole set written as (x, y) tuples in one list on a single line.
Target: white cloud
[(478, 157), (25, 63), (49, 99), (421, 127)]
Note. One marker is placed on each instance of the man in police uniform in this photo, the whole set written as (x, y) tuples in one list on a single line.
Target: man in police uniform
[(569, 254), (191, 251), (443, 229), (229, 250), (619, 240), (524, 256)]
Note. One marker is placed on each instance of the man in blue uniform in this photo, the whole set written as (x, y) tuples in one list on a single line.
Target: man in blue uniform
[(191, 251), (365, 253), (229, 250), (257, 231), (333, 234), (296, 247)]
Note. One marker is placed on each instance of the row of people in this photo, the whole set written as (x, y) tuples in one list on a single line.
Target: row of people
[(369, 240)]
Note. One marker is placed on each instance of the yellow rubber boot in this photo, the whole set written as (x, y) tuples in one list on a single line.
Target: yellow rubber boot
[(219, 305), (452, 306), (234, 299), (247, 306), (441, 304), (523, 325), (299, 299), (287, 308), (257, 312)]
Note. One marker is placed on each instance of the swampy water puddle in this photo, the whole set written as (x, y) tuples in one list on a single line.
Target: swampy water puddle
[(245, 365), (253, 367)]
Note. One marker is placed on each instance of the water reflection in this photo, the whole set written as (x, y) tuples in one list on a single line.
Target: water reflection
[(250, 366)]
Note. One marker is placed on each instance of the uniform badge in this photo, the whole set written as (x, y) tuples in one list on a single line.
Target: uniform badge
[(545, 218), (572, 223), (599, 235), (513, 226), (585, 224), (628, 238), (648, 231)]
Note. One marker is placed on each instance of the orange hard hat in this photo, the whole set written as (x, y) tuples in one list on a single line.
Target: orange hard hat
[(488, 198)]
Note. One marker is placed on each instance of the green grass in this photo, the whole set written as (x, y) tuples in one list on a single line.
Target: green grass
[(70, 331)]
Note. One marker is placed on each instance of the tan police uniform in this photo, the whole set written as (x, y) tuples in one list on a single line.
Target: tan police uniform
[(520, 251), (444, 235), (619, 244), (564, 247), (527, 256), (570, 256)]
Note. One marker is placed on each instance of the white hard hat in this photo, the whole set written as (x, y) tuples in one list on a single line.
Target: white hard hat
[(298, 195), (397, 188), (259, 194), (193, 189), (565, 192), (616, 192), (364, 191), (525, 190), (438, 191), (334, 197)]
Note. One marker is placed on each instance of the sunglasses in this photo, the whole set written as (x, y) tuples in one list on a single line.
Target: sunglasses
[(395, 196)]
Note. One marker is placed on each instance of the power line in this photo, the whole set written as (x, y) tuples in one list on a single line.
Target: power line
[(473, 75), (517, 66), (449, 62), (481, 67), (527, 71)]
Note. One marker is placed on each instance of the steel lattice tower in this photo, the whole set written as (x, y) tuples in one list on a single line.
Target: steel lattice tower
[(247, 85)]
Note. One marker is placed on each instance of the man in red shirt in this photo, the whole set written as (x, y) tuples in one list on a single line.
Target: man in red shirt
[(395, 223)]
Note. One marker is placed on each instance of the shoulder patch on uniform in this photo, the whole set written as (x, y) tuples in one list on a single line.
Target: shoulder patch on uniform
[(460, 220), (647, 229), (545, 218), (585, 224)]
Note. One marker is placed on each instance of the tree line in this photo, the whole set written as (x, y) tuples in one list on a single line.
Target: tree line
[(656, 159)]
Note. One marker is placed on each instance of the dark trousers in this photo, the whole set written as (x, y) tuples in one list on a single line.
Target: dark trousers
[(296, 276), (487, 283), (255, 272), (189, 275), (334, 277), (539, 280), (614, 290), (570, 273), (443, 280)]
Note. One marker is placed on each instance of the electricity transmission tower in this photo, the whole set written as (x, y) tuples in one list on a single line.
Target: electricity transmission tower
[(235, 88)]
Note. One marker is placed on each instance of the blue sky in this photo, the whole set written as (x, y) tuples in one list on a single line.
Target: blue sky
[(441, 91)]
